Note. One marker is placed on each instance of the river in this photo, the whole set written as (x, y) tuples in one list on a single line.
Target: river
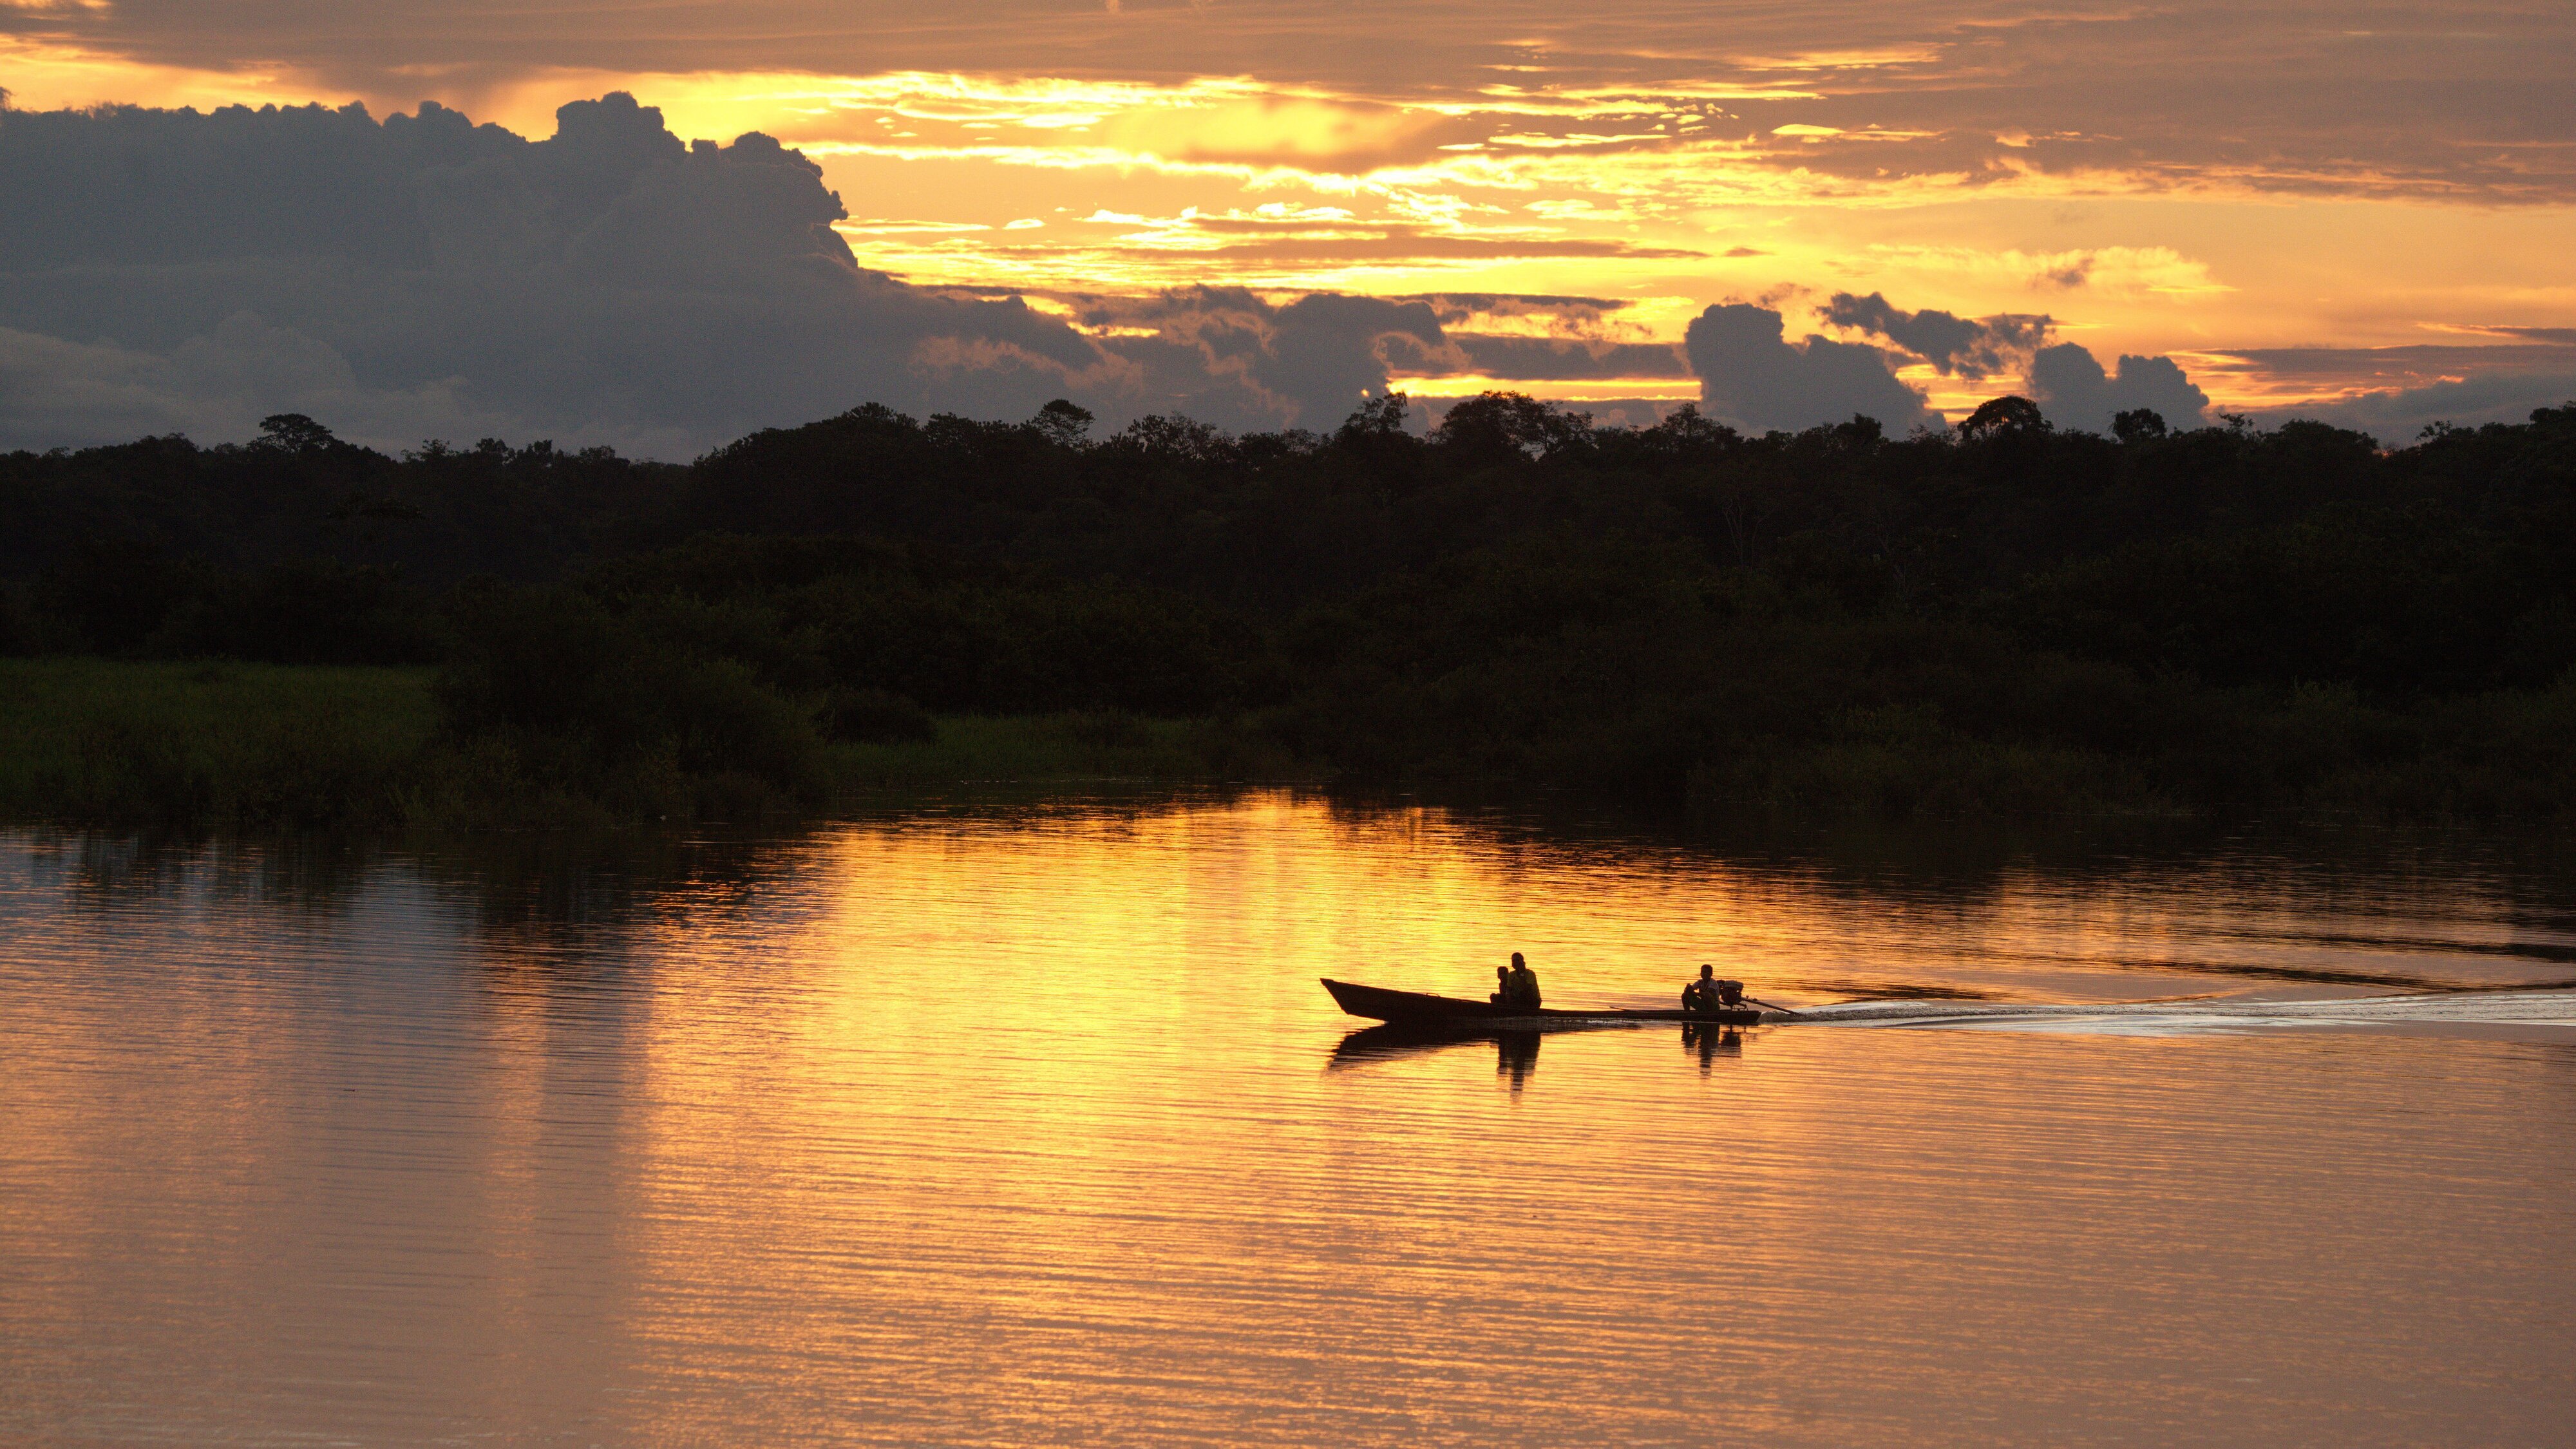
[(993, 1121)]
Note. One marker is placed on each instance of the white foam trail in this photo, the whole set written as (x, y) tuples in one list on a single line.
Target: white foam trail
[(2481, 1011)]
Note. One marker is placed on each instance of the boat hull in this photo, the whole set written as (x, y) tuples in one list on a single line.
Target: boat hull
[(1415, 1008)]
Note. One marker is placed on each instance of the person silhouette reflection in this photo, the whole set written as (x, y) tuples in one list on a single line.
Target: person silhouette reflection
[(1515, 1056), (1711, 1041)]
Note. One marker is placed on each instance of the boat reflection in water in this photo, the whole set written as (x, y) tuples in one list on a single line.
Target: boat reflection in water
[(1515, 1050)]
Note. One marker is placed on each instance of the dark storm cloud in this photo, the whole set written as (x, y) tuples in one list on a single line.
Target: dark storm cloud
[(426, 276), (2074, 392), (1953, 345), (1752, 376)]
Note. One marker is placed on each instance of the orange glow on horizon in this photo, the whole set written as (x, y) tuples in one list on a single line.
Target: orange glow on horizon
[(1055, 185)]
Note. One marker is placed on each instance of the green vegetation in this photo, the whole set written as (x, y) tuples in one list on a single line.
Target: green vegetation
[(2011, 620), (262, 744), (152, 743)]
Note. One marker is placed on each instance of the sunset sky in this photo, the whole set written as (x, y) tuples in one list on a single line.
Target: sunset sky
[(2350, 210)]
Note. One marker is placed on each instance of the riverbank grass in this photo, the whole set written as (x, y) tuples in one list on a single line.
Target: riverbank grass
[(113, 742), (95, 741)]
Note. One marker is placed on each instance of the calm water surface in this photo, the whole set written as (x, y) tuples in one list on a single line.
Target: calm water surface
[(1028, 1124)]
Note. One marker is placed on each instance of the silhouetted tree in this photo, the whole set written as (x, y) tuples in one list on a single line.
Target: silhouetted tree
[(1063, 423), (1377, 417), (1495, 425), (294, 433), (1173, 439), (2138, 425), (2002, 417)]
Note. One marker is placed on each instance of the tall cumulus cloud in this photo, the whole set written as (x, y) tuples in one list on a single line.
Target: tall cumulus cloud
[(2073, 391), (1751, 375), (426, 276)]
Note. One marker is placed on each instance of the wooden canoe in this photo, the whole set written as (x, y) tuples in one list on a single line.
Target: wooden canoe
[(1414, 1008)]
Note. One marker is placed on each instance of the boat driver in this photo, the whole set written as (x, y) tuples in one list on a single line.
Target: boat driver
[(1520, 985)]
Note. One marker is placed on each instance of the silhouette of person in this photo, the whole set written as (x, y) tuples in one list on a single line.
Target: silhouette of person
[(1701, 995)]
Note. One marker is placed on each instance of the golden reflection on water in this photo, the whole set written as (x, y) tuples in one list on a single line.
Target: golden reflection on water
[(1026, 1125)]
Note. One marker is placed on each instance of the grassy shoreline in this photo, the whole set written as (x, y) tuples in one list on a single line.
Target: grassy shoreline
[(95, 742), (113, 742)]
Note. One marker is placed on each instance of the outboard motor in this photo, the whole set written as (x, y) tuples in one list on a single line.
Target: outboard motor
[(1730, 994)]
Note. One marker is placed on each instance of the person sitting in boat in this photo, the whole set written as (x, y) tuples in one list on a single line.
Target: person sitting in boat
[(1701, 995), (1712, 992), (1502, 986), (1520, 985)]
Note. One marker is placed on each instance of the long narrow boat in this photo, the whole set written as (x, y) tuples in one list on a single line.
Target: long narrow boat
[(1415, 1008)]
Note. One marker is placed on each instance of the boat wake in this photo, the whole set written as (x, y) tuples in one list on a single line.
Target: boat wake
[(2542, 1013)]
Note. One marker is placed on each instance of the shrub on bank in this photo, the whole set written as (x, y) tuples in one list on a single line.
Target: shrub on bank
[(589, 703)]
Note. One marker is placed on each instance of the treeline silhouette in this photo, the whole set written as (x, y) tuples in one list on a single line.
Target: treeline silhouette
[(2008, 617)]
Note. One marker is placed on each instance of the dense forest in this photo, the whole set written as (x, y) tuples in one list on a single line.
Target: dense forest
[(2007, 617)]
